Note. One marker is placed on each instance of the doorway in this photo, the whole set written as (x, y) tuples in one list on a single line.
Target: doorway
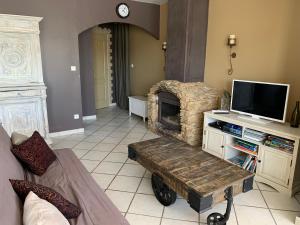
[(101, 41), (116, 61)]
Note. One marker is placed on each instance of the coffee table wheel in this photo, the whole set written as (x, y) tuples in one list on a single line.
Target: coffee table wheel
[(216, 219), (165, 195)]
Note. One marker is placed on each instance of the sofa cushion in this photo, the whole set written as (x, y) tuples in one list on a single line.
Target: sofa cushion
[(69, 177), (23, 188), (35, 154), (10, 168), (38, 211), (17, 138)]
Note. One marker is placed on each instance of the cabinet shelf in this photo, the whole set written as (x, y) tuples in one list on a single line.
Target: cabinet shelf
[(242, 150)]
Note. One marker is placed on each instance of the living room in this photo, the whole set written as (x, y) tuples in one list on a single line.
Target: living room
[(155, 153)]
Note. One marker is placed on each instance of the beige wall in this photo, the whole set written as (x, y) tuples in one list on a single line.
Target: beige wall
[(147, 56), (261, 27), (292, 74), (268, 43)]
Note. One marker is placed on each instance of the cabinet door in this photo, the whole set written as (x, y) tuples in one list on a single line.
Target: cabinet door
[(214, 143), (138, 107), (23, 116), (274, 165)]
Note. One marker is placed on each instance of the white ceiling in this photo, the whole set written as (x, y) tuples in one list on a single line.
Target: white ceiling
[(158, 2)]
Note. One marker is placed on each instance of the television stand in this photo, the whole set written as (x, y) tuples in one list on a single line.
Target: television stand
[(255, 119), (276, 166)]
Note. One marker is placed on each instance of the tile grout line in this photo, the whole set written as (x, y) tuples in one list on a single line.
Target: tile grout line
[(112, 148), (120, 170), (236, 217), (134, 196), (162, 215), (267, 205)]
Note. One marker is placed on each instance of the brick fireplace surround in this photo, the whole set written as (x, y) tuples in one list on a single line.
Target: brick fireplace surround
[(195, 98)]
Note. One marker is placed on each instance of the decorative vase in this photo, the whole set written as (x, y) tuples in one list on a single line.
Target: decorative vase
[(296, 116)]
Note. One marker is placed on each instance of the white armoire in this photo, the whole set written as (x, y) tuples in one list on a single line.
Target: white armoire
[(22, 90)]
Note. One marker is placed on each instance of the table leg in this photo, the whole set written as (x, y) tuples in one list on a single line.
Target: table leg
[(219, 219)]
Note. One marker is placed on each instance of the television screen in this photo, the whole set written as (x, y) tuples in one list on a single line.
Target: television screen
[(265, 100)]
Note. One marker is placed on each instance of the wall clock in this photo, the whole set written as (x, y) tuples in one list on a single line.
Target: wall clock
[(123, 10)]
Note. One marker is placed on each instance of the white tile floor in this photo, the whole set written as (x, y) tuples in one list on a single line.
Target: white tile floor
[(103, 151)]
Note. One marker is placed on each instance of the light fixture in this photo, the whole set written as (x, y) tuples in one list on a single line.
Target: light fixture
[(164, 46), (232, 41)]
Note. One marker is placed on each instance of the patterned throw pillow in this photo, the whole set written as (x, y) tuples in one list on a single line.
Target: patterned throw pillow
[(35, 154), (23, 188)]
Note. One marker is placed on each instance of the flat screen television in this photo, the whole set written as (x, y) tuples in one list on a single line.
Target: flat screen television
[(260, 100)]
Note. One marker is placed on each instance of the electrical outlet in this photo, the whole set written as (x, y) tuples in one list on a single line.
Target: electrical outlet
[(76, 116), (73, 68)]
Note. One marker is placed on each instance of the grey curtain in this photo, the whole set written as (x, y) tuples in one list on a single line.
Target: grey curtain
[(121, 64)]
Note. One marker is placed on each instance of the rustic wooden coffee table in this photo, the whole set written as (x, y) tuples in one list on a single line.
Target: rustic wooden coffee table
[(202, 179)]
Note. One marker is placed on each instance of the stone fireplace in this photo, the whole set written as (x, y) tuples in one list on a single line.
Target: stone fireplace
[(176, 109)]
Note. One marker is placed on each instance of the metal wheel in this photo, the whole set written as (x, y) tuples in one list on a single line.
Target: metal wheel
[(216, 219), (163, 193)]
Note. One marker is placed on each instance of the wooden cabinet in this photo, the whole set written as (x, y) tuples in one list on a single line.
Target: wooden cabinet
[(23, 105), (274, 165), (214, 143)]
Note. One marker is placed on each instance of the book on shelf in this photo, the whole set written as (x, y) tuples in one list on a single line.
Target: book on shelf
[(238, 160), (250, 163), (280, 143), (246, 162), (244, 145)]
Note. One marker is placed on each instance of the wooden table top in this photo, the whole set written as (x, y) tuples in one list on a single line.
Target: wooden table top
[(192, 166)]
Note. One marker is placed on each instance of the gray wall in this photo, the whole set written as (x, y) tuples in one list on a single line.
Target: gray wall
[(87, 73), (63, 22)]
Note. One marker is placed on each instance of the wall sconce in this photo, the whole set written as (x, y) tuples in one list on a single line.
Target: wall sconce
[(164, 46), (231, 43)]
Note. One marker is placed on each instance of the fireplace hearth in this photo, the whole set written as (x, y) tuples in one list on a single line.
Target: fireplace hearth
[(169, 111), (176, 109)]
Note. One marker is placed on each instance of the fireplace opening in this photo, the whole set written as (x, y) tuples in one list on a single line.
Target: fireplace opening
[(169, 111)]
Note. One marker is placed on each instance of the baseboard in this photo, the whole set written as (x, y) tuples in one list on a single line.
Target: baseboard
[(297, 221), (93, 117), (66, 132)]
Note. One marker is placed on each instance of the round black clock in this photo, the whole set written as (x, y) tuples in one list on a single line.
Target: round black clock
[(123, 10)]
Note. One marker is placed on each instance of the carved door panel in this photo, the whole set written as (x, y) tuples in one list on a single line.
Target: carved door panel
[(20, 58), (102, 70), (22, 116)]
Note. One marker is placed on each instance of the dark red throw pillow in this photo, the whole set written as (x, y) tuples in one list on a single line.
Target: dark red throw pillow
[(68, 209), (35, 154)]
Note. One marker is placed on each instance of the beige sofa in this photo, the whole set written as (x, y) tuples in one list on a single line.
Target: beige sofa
[(67, 176)]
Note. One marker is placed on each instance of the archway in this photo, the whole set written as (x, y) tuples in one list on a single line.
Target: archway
[(144, 46)]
